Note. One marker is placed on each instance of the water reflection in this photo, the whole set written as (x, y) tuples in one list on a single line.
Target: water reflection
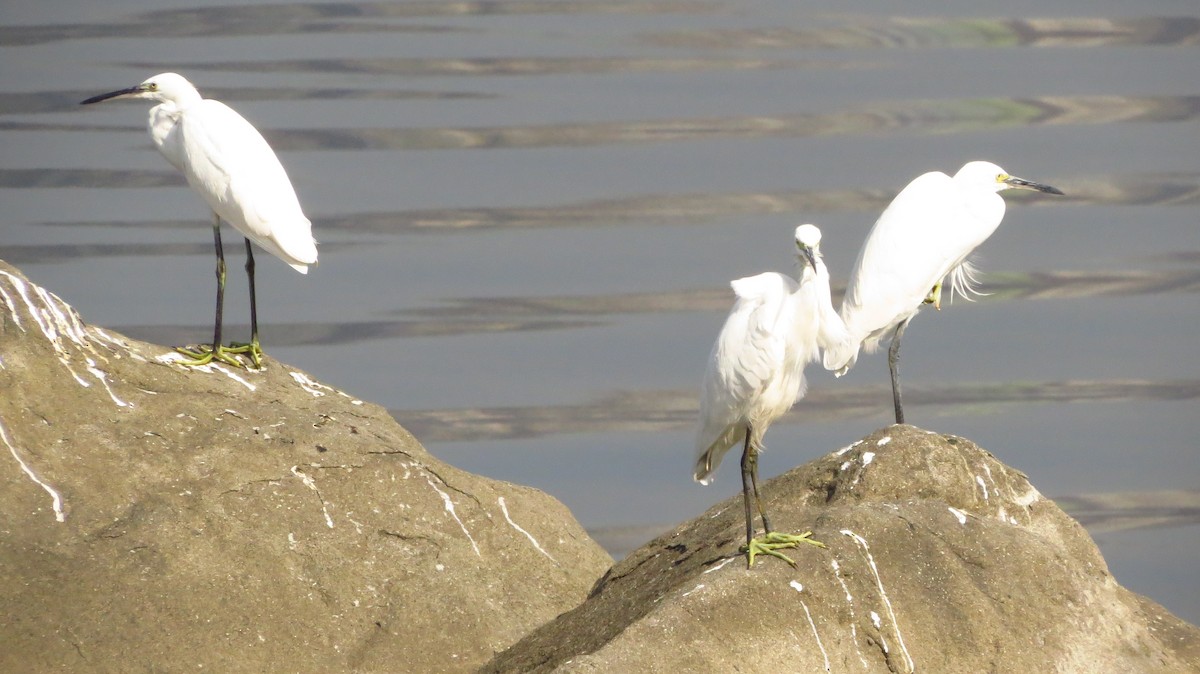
[(41, 178), (35, 102), (1172, 189), (483, 315), (835, 31), (1101, 513), (916, 116), (351, 332), (481, 67), (942, 116), (858, 32), (350, 18), (660, 411), (1121, 511)]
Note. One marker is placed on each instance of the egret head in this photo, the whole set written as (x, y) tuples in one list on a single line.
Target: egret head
[(808, 241), (164, 88), (986, 175)]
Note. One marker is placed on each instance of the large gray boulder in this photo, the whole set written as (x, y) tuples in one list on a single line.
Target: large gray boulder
[(940, 559), (160, 518)]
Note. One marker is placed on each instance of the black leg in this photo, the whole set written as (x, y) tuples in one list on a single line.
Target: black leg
[(748, 469), (771, 543), (220, 282), (762, 512), (894, 366), (218, 352), (253, 304)]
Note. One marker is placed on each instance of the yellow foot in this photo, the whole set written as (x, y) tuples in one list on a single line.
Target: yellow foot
[(204, 356), (251, 349), (935, 297), (773, 542)]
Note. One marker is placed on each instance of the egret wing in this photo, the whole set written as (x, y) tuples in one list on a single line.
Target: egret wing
[(917, 240), (237, 172), (749, 355)]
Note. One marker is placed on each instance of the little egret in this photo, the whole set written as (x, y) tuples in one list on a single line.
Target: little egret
[(923, 236), (756, 373), (228, 163)]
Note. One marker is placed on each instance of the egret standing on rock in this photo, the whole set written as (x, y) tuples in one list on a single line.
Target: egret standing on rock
[(227, 161), (756, 373), (924, 235)]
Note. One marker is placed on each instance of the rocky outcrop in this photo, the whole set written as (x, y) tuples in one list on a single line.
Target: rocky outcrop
[(940, 559), (160, 518)]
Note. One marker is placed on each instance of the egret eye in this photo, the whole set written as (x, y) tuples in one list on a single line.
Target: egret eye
[(153, 86)]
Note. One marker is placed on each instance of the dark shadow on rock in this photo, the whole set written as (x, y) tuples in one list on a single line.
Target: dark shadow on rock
[(940, 559), (160, 518)]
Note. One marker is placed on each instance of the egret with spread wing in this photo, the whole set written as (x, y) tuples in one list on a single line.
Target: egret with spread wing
[(756, 373)]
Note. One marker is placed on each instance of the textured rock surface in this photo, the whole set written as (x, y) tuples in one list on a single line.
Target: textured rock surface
[(156, 518), (941, 559)]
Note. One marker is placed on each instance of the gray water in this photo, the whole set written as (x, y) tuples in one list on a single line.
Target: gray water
[(529, 213)]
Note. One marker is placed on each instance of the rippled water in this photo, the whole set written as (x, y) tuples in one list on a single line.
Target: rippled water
[(529, 213)]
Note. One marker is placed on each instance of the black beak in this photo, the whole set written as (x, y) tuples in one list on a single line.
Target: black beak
[(808, 255), (112, 94), (1022, 184)]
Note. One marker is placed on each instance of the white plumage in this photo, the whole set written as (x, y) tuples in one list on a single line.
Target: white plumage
[(230, 165), (923, 236), (756, 370), (756, 373)]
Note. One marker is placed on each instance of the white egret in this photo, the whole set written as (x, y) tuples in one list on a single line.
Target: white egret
[(756, 373), (228, 163), (923, 236)]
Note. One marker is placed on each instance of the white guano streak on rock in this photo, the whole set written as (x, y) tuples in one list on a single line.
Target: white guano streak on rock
[(112, 341), (103, 377), (995, 487), (960, 515), (719, 566), (174, 357), (847, 448), (879, 626), (1028, 498), (57, 320), (837, 573), (800, 588), (59, 515), (12, 312), (1001, 513), (450, 509), (504, 509), (882, 593), (309, 385), (41, 316), (12, 308), (231, 374), (312, 484), (867, 458), (317, 389), (979, 481)]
